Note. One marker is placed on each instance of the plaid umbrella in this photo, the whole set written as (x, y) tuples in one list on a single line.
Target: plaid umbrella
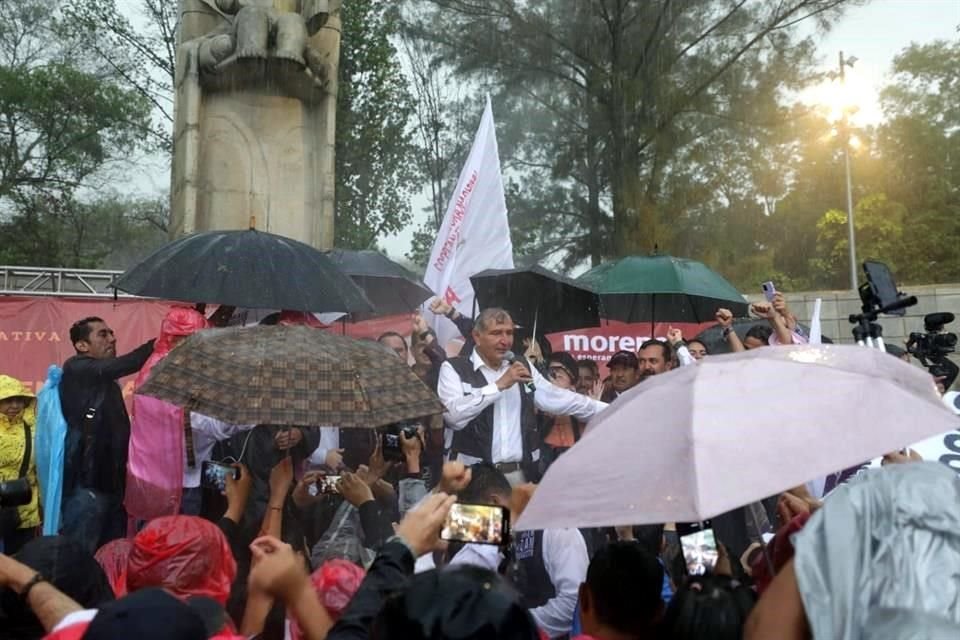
[(290, 376)]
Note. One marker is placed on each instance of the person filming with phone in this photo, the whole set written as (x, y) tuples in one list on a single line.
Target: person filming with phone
[(545, 567), (490, 397)]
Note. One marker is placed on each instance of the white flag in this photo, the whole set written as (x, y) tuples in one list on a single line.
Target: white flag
[(815, 331), (475, 235)]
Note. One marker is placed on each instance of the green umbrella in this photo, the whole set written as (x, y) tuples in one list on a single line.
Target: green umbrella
[(662, 289)]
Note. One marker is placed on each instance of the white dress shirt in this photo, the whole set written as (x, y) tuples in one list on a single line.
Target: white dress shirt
[(464, 402), (207, 432), (329, 440)]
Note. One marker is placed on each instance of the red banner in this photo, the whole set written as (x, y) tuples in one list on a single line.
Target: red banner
[(600, 343), (35, 332)]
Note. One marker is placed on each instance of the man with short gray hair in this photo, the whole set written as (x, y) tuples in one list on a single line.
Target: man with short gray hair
[(490, 402)]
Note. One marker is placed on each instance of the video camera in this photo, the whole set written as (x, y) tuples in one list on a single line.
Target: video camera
[(15, 493), (933, 347)]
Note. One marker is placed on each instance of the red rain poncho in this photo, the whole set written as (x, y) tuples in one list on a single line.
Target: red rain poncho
[(335, 582), (186, 555), (113, 557), (298, 318), (156, 458)]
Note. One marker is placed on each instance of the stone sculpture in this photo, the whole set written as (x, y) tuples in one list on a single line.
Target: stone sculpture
[(255, 117)]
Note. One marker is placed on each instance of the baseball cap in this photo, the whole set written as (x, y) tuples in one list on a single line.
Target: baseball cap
[(624, 359)]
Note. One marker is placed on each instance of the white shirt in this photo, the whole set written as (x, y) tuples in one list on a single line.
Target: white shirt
[(685, 357), (463, 403), (329, 440), (207, 432), (566, 561)]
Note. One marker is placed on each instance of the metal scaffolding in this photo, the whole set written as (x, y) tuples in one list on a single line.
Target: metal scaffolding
[(44, 281)]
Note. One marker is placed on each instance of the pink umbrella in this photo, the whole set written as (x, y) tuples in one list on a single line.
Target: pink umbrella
[(699, 441)]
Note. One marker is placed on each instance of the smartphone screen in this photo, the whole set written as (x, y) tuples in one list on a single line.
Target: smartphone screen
[(327, 485), (390, 446), (883, 285), (476, 523), (769, 291), (699, 546), (213, 475)]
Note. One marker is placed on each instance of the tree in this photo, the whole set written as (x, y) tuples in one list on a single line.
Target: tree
[(644, 83), (879, 225), (106, 232), (63, 120), (141, 58), (375, 164)]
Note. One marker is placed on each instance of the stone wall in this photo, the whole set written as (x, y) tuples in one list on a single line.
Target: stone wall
[(839, 305)]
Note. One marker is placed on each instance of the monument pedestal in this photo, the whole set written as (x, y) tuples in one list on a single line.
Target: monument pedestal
[(254, 137)]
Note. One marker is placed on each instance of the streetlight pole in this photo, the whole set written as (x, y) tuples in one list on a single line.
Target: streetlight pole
[(845, 132)]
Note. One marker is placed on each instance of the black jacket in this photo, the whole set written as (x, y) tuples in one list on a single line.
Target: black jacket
[(389, 573), (98, 462)]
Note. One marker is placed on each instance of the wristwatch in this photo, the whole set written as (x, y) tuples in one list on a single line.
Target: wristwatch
[(726, 332), (34, 581)]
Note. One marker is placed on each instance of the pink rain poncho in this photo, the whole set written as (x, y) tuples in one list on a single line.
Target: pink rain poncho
[(156, 454)]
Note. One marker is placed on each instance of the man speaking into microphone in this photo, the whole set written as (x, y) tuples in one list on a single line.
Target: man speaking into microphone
[(490, 399)]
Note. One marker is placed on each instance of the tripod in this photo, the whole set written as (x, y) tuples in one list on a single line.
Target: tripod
[(867, 331)]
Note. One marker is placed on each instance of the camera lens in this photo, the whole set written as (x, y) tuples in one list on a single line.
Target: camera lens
[(15, 493)]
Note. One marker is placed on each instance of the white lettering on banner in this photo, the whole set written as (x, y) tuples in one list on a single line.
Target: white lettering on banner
[(576, 343), (601, 344)]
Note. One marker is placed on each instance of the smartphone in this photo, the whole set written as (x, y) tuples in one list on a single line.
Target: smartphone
[(699, 546), (327, 485), (476, 524), (213, 475), (390, 446), (883, 285), (769, 290)]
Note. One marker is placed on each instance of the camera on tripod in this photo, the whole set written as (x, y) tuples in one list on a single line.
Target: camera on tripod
[(879, 296), (933, 347)]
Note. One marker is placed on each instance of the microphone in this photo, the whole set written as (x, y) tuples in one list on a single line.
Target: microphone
[(511, 357)]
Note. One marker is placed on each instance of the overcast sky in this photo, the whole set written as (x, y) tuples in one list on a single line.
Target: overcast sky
[(874, 33)]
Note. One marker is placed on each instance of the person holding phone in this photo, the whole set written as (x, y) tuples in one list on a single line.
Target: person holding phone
[(546, 567)]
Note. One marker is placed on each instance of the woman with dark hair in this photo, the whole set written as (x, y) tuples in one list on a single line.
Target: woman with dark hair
[(708, 607)]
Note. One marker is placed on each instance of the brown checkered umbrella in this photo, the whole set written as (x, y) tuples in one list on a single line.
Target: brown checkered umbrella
[(290, 376)]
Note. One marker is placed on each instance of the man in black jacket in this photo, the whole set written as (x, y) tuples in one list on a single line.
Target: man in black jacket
[(98, 435)]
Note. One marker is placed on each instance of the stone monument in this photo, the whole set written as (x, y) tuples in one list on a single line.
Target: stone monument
[(255, 116)]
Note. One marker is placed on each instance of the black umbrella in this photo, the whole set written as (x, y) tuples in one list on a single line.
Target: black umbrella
[(389, 286), (245, 269), (712, 337), (535, 296)]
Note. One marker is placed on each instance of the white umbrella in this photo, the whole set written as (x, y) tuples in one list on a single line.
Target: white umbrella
[(699, 441)]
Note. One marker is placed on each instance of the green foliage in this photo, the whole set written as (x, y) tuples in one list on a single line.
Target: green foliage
[(108, 232), (375, 165), (62, 124)]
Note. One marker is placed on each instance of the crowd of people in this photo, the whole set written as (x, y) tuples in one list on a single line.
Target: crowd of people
[(322, 532)]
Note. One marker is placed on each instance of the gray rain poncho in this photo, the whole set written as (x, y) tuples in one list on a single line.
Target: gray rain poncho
[(881, 559)]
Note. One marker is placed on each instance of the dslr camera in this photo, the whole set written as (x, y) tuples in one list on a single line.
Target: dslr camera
[(390, 439), (933, 347)]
